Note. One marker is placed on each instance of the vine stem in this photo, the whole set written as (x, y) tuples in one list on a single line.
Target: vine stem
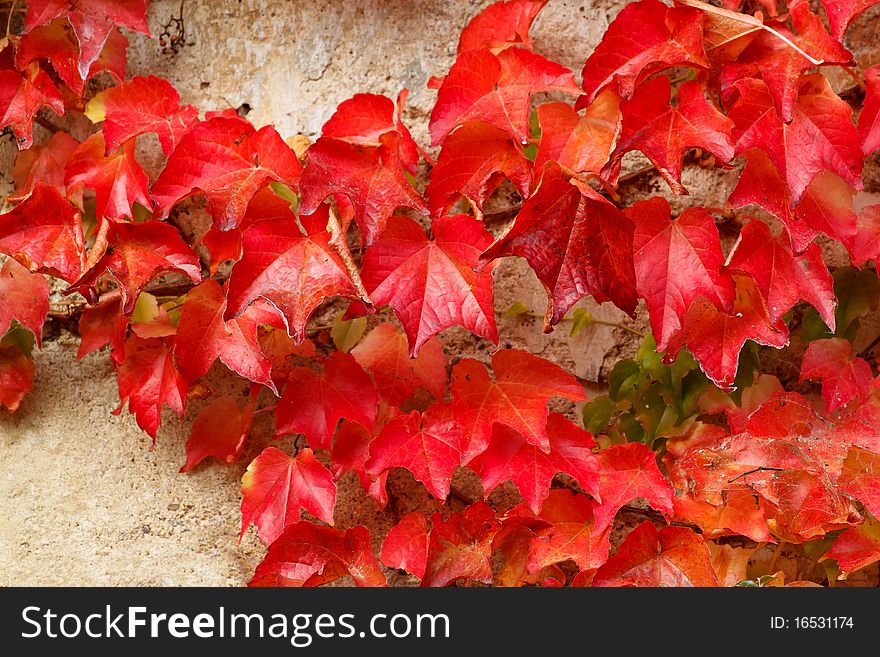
[(593, 320)]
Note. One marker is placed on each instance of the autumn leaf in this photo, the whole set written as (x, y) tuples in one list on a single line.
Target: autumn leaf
[(844, 376), (351, 451), (406, 545), (275, 488), (676, 261), (580, 142), (22, 96), (219, 431), (313, 404), (841, 13), (25, 299), (856, 548), (141, 105), (460, 546), (516, 398), (16, 377), (577, 243), (869, 117), (860, 477), (674, 556), (306, 555), (42, 164), (101, 324), (430, 283), (501, 25), (664, 133)]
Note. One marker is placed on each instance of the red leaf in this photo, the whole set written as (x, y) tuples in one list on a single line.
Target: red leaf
[(385, 355), (364, 118), (313, 404), (509, 456), (644, 38), (227, 160), (44, 232), (856, 548), (869, 117), (42, 164), (310, 555), (676, 262), (141, 105), (427, 444), (517, 398), (576, 242), (740, 513), (292, 271), (781, 276), (674, 556), (148, 378), (406, 545), (137, 254), (57, 44), (16, 377), (461, 546), (351, 450), (627, 472), (844, 376), (22, 96), (665, 133), (92, 22), (275, 488), (501, 25), (473, 161), (715, 338), (841, 13), (25, 298), (761, 184), (860, 477), (118, 180), (101, 324), (496, 89), (218, 431), (820, 136), (431, 284), (370, 176), (578, 142), (572, 534), (827, 207)]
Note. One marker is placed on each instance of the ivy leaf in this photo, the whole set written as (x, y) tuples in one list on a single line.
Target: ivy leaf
[(740, 513), (461, 546), (16, 376), (369, 175), (781, 276), (385, 355), (860, 477), (313, 404), (311, 555), (141, 105), (576, 242), (572, 533), (841, 13), (92, 22), (430, 283), (761, 184), (364, 118), (137, 253), (715, 338), (517, 398), (148, 378), (674, 556), (293, 271), (427, 444), (351, 451), (644, 38), (820, 136), (275, 488), (203, 336), (118, 180), (675, 262), (627, 472), (42, 164), (219, 431), (578, 142), (101, 324), (228, 161), (22, 96), (844, 376), (665, 133), (25, 299), (496, 89), (473, 161), (501, 25), (869, 117), (509, 456), (406, 545), (856, 548)]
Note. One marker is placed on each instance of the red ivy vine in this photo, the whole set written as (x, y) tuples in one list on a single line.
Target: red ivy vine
[(690, 425)]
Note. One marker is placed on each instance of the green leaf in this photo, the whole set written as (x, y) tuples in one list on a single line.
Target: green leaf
[(581, 319), (598, 414), (516, 309), (346, 333), (19, 337), (146, 308), (857, 291), (283, 191), (623, 379)]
